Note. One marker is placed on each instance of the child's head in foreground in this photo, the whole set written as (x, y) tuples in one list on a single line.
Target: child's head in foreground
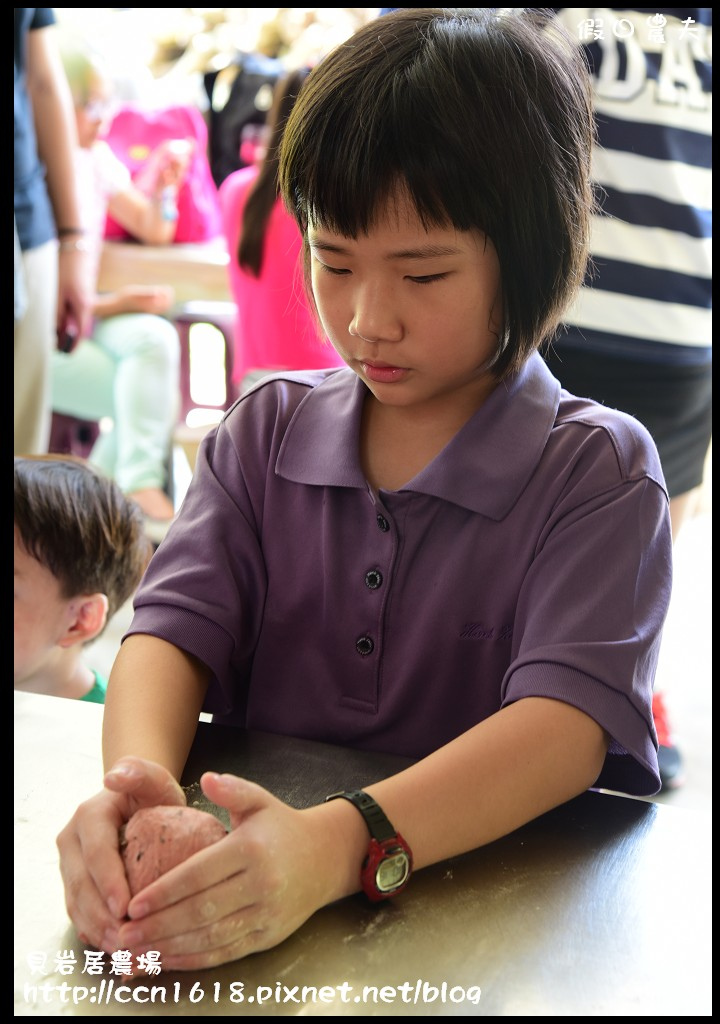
[(80, 552), (483, 119)]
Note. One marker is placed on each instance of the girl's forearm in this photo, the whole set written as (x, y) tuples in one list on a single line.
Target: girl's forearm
[(154, 698), (528, 758)]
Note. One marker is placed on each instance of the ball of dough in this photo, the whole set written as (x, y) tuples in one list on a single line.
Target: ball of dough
[(156, 839)]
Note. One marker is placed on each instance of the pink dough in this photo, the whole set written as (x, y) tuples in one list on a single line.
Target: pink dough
[(158, 838)]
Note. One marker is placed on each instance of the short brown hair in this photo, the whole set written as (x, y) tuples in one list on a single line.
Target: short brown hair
[(79, 525)]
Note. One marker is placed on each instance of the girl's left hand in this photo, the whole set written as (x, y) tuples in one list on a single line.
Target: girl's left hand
[(243, 894)]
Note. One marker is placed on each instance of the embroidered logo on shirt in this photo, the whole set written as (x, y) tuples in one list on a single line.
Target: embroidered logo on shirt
[(476, 631)]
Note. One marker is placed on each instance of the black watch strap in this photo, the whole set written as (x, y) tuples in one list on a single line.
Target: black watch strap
[(377, 822)]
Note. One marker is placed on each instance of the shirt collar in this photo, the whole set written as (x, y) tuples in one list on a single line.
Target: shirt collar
[(484, 468)]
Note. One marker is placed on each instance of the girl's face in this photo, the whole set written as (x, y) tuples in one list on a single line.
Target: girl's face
[(415, 312)]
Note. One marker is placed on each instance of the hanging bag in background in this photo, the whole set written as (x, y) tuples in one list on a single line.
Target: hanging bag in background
[(240, 96), (135, 133)]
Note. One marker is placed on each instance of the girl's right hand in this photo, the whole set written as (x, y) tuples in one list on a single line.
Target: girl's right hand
[(96, 889)]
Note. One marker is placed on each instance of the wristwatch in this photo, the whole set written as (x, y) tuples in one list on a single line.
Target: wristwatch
[(387, 866)]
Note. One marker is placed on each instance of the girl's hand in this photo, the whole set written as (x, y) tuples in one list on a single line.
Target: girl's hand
[(149, 298), (96, 889), (243, 894)]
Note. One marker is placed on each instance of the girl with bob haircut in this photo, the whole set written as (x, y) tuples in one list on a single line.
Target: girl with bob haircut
[(276, 328), (443, 125), (433, 551)]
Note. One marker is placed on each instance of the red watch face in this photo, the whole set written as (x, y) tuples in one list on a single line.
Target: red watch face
[(387, 868)]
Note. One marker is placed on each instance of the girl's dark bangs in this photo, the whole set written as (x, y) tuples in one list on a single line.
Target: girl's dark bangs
[(354, 172)]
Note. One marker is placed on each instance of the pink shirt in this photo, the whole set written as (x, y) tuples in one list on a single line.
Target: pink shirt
[(276, 329)]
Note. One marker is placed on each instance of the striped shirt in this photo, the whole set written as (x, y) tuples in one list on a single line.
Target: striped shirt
[(649, 292)]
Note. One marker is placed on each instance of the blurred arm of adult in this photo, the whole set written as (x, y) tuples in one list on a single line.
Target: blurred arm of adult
[(142, 209), (135, 298), (56, 139)]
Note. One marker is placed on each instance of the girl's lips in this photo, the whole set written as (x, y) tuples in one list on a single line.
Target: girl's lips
[(383, 374)]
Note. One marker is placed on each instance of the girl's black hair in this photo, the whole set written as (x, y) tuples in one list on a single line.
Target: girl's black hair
[(264, 192), (484, 116)]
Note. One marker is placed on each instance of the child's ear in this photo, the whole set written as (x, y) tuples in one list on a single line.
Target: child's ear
[(88, 616)]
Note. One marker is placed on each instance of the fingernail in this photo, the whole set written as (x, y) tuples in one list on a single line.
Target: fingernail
[(114, 907), (138, 910), (122, 771)]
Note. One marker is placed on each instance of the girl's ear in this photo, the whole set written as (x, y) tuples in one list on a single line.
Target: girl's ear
[(88, 615)]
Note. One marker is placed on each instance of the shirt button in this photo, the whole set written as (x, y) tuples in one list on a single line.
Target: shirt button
[(383, 523), (364, 646), (373, 579)]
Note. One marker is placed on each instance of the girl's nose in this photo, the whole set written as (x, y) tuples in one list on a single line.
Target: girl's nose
[(376, 317)]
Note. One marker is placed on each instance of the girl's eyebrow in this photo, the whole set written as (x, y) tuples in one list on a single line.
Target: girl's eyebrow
[(422, 252)]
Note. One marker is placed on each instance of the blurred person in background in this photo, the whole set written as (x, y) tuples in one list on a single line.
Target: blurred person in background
[(51, 273), (277, 328), (127, 367), (638, 337)]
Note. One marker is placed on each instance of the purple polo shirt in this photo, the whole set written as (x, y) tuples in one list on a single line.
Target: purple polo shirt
[(532, 557)]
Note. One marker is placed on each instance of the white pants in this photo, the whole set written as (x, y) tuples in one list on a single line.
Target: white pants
[(35, 339)]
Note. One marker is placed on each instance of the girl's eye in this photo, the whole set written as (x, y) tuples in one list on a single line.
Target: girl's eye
[(428, 279), (338, 271)]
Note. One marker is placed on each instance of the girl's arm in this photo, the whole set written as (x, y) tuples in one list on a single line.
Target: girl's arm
[(154, 698), (276, 867), (524, 760)]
